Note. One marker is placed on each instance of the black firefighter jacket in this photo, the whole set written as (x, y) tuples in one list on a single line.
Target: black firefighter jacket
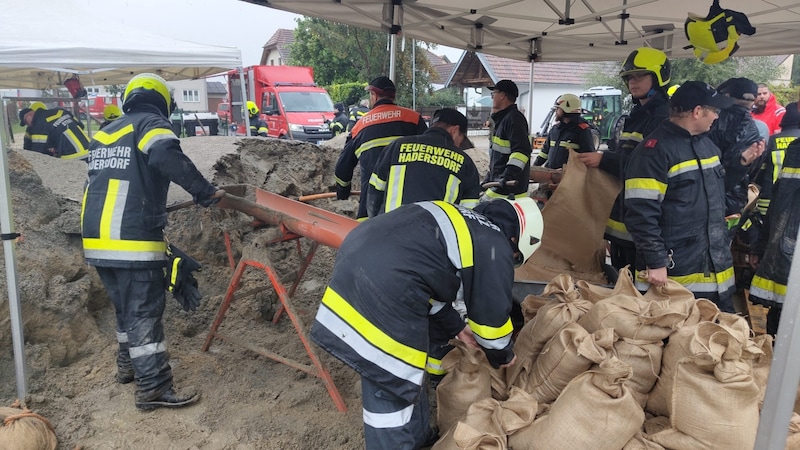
[(384, 123), (419, 168), (563, 137), (58, 130), (770, 170), (375, 313), (131, 163), (643, 120), (509, 152), (675, 199), (777, 245)]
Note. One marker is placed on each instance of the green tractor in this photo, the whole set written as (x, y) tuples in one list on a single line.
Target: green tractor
[(602, 106)]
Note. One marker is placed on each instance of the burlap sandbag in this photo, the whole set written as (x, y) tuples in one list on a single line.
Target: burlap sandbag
[(645, 360), (714, 402), (595, 411), (760, 365), (703, 310), (566, 307), (22, 429), (464, 437), (530, 306), (498, 381), (636, 317), (467, 381), (595, 293), (793, 440), (570, 353), (641, 442), (574, 221)]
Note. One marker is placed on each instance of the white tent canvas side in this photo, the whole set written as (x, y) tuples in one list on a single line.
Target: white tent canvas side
[(35, 54)]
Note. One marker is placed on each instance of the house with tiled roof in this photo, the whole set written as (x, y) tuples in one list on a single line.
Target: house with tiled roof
[(276, 50), (550, 79)]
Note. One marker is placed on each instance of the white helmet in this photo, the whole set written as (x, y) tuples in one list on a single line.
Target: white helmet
[(531, 225), (569, 103)]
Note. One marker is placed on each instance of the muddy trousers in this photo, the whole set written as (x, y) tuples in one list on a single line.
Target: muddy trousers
[(138, 296), (391, 422)]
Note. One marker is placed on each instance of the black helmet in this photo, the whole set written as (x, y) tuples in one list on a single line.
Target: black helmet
[(151, 89)]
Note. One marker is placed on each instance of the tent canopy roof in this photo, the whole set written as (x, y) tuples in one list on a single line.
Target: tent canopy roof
[(43, 43), (558, 30)]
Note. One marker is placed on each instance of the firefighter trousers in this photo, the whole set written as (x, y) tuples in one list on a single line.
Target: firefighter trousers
[(391, 422), (138, 296)]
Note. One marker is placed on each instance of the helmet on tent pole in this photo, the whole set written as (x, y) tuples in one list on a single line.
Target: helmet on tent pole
[(111, 112), (644, 60), (148, 88), (252, 109), (713, 38), (569, 103)]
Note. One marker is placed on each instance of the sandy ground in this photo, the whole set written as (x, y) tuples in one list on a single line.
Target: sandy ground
[(248, 401)]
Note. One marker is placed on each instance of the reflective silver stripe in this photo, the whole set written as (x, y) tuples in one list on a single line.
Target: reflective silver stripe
[(122, 338), (469, 202), (147, 349), (378, 142), (451, 189), (446, 227), (119, 255), (644, 194), (679, 169), (516, 163), (394, 193), (350, 336), (436, 306), (156, 138), (39, 138), (377, 182), (766, 294), (388, 420), (496, 344), (119, 209)]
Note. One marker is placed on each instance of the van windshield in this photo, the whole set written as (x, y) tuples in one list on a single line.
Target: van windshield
[(306, 102)]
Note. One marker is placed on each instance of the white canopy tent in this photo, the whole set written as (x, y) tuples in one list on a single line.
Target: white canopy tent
[(36, 53), (593, 30)]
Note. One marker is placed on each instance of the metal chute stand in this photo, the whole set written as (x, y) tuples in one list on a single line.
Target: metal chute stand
[(295, 220)]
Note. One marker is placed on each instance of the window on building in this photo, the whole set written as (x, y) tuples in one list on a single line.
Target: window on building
[(191, 96), (93, 91)]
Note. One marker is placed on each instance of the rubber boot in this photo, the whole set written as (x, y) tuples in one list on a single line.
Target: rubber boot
[(169, 399), (125, 372)]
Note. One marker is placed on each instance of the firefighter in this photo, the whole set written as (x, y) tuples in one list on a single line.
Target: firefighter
[(110, 114), (384, 123), (258, 127), (55, 132), (35, 138), (131, 164), (571, 132), (776, 152), (509, 144), (775, 249), (675, 200), (431, 166), (377, 310), (339, 123), (646, 72), (357, 112)]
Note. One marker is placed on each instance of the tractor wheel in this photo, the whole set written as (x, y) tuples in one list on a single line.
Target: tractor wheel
[(613, 140), (595, 138)]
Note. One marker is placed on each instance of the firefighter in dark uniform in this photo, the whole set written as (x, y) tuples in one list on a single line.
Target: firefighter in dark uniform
[(258, 127), (646, 72), (431, 166), (35, 138), (131, 164), (376, 311), (339, 123), (357, 113), (776, 152), (110, 114), (571, 132), (509, 145), (384, 123), (675, 200), (55, 132), (775, 250)]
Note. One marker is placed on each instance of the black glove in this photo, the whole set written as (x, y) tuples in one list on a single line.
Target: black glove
[(509, 178), (342, 192), (206, 198), (180, 280)]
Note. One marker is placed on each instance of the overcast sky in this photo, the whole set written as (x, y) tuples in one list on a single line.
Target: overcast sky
[(230, 23)]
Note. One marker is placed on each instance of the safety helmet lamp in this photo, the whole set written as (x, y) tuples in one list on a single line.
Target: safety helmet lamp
[(531, 227), (149, 88), (569, 103), (644, 60)]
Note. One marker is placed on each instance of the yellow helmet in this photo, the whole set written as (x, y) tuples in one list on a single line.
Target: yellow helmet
[(672, 89), (569, 103), (37, 105), (252, 108), (148, 88), (111, 112), (646, 59)]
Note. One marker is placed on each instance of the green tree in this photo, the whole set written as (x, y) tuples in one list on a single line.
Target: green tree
[(115, 89), (343, 54)]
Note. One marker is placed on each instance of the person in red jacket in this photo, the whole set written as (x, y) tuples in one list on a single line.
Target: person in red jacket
[(767, 109)]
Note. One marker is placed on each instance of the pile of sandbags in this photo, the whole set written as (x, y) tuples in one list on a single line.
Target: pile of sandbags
[(611, 369)]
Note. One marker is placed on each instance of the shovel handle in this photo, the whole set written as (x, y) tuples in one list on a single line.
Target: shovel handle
[(305, 198)]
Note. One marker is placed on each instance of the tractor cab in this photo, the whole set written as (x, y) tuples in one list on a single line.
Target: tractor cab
[(602, 106)]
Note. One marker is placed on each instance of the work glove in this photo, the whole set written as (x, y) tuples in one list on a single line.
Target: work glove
[(206, 198), (180, 280), (509, 177), (342, 192)]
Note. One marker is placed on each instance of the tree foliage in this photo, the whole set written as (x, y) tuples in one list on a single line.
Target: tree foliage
[(343, 54)]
